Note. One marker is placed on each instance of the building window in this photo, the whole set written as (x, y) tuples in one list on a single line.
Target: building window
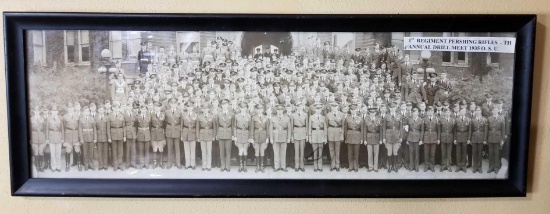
[(70, 50), (84, 46), (453, 58), (115, 44), (493, 59), (134, 40), (38, 42), (446, 58)]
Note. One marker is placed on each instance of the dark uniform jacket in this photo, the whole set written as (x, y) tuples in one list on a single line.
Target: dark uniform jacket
[(173, 124), (373, 131), (116, 126), (87, 129), (259, 124), (392, 128), (101, 128), (431, 130), (130, 125), (479, 129), (463, 129), (143, 127), (190, 129), (496, 129), (447, 127), (416, 129)]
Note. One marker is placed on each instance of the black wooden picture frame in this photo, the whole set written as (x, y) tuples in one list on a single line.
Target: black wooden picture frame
[(15, 25)]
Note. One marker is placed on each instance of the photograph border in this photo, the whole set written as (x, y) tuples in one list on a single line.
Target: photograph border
[(16, 23)]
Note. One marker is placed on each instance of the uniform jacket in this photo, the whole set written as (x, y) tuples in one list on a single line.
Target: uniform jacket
[(258, 128), (335, 122), (496, 129), (431, 130), (173, 123), (101, 128), (479, 129), (392, 128), (373, 131), (280, 129), (130, 125), (157, 126), (38, 127), (463, 129), (190, 130), (354, 130), (225, 123), (116, 125), (240, 127), (448, 131), (56, 129), (317, 128), (87, 129), (300, 123), (71, 128), (207, 127), (143, 127)]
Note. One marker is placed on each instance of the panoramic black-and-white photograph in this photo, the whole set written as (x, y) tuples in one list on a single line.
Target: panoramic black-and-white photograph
[(269, 105)]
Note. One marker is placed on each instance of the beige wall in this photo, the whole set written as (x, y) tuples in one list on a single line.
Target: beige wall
[(537, 200)]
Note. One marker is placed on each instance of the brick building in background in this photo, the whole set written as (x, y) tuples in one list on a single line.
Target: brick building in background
[(82, 48)]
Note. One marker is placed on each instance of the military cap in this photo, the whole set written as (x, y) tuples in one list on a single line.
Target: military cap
[(409, 103), (300, 65), (415, 110), (438, 104), (172, 100), (478, 108), (488, 96), (135, 105), (137, 82), (259, 106), (393, 105), (222, 64), (235, 64), (189, 104), (280, 107), (430, 108), (386, 91), (230, 42), (213, 42), (224, 101), (372, 110), (174, 66), (357, 49), (499, 101), (322, 84), (433, 75), (353, 106), (207, 63), (315, 78), (332, 61), (397, 91), (166, 63), (243, 105), (158, 104), (180, 62)]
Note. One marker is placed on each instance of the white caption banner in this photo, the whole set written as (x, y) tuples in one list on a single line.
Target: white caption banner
[(463, 44)]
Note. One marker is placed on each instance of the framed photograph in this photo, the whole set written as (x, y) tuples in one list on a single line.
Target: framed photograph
[(251, 105)]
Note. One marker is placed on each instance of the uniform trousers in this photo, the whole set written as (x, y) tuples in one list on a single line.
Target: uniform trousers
[(38, 149), (259, 148), (143, 152), (383, 156), (189, 153), (173, 145), (477, 150), (118, 152), (279, 155), (243, 148), (299, 146), (131, 152), (353, 156), (372, 150), (413, 155), (461, 154), (317, 155), (206, 154), (446, 151), (494, 156), (102, 149), (429, 154), (55, 155), (334, 149), (225, 153), (403, 155), (89, 155), (70, 146), (392, 148)]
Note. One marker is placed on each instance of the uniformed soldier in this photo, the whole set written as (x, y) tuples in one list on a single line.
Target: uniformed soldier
[(373, 136), (54, 137), (280, 133), (189, 135), (241, 132), (102, 145), (225, 124), (462, 140), (430, 139), (354, 135), (447, 138), (130, 133), (71, 138), (158, 136), (392, 136), (38, 137), (259, 124), (415, 136), (173, 133), (479, 138), (207, 133), (317, 133), (88, 137), (116, 135), (143, 136), (335, 121), (495, 140), (405, 114), (299, 120)]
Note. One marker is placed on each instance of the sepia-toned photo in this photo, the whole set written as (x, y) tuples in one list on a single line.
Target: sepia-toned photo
[(267, 105)]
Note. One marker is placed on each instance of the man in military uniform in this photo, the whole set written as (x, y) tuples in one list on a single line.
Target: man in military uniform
[(463, 136), (225, 135), (207, 134), (317, 133), (88, 136), (158, 137), (487, 106), (173, 133), (38, 137), (447, 127), (495, 140), (392, 136), (130, 130), (241, 132), (414, 137), (479, 138), (280, 133), (258, 135), (354, 136), (431, 139), (189, 135), (143, 136), (101, 130), (116, 135), (335, 120), (299, 120), (373, 139), (71, 138), (403, 157), (55, 139)]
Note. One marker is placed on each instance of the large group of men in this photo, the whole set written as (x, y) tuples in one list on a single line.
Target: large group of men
[(214, 101)]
